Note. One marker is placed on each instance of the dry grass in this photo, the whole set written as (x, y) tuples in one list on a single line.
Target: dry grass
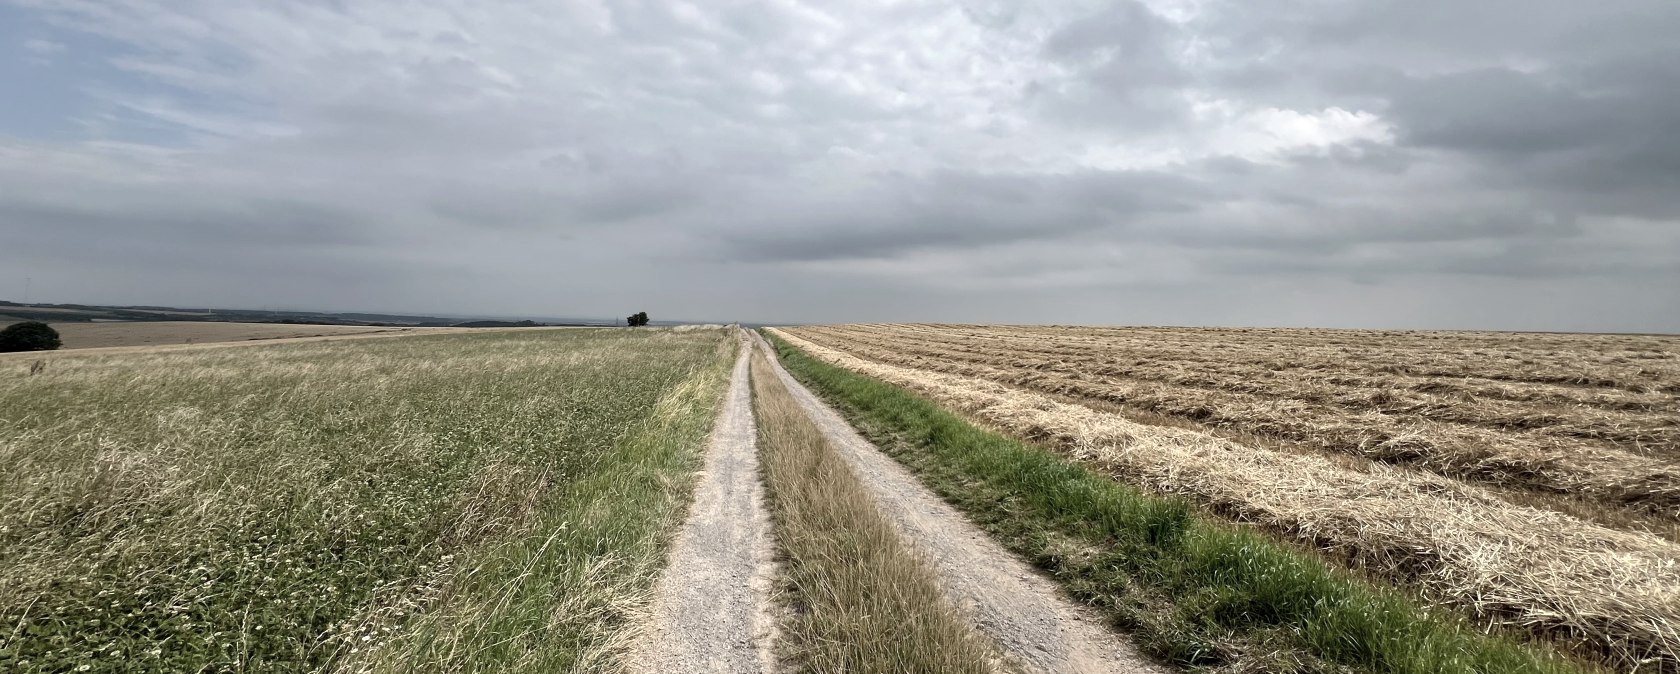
[(306, 506), (1611, 592), (863, 601)]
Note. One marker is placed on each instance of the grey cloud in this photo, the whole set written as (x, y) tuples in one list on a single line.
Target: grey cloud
[(955, 210), (1212, 162), (1497, 111), (611, 205), (1124, 33), (1609, 144), (1526, 260), (265, 222), (1126, 65), (1561, 95)]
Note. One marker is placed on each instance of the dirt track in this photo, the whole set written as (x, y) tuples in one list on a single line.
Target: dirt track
[(1007, 600), (711, 606)]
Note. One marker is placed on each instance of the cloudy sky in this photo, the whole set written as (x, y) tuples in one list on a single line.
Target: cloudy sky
[(1381, 163)]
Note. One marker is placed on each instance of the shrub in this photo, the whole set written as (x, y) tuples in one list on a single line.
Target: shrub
[(29, 336)]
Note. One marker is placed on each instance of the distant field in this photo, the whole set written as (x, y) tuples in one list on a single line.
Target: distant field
[(60, 311), (479, 502), (81, 335), (1532, 480)]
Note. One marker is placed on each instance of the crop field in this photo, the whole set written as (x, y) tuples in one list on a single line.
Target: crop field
[(1530, 481), (81, 335), (477, 502)]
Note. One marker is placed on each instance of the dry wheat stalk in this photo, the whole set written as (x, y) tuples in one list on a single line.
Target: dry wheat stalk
[(1604, 473)]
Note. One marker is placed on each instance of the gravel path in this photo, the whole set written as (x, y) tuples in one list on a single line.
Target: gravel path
[(711, 606), (1007, 600)]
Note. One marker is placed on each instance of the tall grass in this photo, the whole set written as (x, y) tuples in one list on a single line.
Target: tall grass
[(864, 602), (1190, 591), (560, 598), (327, 505)]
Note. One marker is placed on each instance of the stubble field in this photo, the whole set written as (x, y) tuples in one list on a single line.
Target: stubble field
[(470, 503), (1529, 481)]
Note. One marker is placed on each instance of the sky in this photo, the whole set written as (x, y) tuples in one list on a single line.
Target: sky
[(1501, 164)]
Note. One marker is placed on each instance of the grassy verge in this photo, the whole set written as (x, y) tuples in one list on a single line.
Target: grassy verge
[(559, 598), (863, 602), (1193, 592), (478, 502)]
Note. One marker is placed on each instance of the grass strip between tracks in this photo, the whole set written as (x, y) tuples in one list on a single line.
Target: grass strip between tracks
[(1191, 591), (862, 601)]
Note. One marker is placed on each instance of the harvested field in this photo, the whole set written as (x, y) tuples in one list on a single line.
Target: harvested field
[(81, 335), (1618, 461), (1426, 506), (485, 502), (1643, 421)]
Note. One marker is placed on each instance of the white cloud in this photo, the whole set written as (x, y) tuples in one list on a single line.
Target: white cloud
[(1266, 133), (41, 51), (43, 47)]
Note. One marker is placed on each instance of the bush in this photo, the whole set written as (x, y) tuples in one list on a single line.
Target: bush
[(29, 336)]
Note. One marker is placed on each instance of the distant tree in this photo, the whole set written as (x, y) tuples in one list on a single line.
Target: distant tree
[(29, 336), (637, 319)]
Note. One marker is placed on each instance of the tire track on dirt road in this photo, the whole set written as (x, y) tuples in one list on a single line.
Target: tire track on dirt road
[(711, 608), (1006, 599)]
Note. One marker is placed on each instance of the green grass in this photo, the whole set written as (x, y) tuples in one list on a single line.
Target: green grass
[(1190, 591), (405, 503)]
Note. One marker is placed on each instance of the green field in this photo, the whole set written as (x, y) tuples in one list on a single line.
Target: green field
[(346, 506)]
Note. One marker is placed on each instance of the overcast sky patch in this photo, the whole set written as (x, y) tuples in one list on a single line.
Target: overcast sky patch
[(1377, 163)]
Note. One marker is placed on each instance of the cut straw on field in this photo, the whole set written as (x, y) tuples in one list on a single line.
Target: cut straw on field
[(1610, 592), (863, 601), (1637, 363), (1586, 469), (1641, 422)]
